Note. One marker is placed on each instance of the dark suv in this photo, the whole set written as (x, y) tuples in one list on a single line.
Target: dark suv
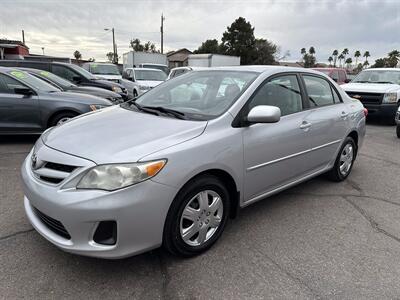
[(70, 72)]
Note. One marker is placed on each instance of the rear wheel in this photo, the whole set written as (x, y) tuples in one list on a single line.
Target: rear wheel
[(197, 217), (344, 161), (62, 118), (398, 130)]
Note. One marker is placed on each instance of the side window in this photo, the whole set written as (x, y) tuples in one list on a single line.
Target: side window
[(64, 72), (335, 75), (336, 96), (319, 91), (282, 91), (342, 76), (8, 84)]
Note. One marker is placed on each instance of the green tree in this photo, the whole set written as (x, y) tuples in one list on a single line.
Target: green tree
[(366, 55), (309, 60), (393, 59), (335, 55), (110, 57), (345, 52), (379, 63), (239, 40), (136, 45), (366, 64), (311, 51), (348, 62), (77, 55), (330, 59), (264, 53), (357, 55), (209, 46)]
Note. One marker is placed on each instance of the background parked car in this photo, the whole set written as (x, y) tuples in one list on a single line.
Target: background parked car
[(161, 67), (175, 72), (68, 86), (146, 78), (104, 71), (70, 72), (378, 90), (30, 105), (339, 75)]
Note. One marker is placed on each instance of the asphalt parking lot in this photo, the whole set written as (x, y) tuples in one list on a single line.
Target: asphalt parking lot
[(317, 240)]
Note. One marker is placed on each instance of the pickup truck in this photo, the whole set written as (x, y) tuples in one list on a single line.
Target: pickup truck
[(339, 75), (379, 92)]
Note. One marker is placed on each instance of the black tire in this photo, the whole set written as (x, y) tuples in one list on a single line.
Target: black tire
[(54, 120), (335, 174), (172, 239), (398, 130)]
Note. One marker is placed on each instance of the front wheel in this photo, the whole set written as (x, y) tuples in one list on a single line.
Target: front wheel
[(398, 130), (196, 217), (62, 118), (344, 161)]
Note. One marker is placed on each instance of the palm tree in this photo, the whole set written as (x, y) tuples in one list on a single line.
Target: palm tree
[(348, 62), (303, 52), (77, 55), (335, 54), (366, 55), (330, 59), (312, 51), (366, 63), (357, 54), (393, 58), (345, 52), (340, 57)]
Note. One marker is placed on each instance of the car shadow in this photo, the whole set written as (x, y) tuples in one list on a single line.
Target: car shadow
[(19, 139)]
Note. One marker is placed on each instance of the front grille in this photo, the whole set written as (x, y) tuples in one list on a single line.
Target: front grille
[(59, 167), (51, 179), (54, 225), (367, 98)]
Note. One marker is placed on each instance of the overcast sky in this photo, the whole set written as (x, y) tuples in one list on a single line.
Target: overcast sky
[(63, 26)]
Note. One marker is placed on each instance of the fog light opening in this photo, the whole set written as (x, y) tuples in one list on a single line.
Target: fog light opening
[(106, 233)]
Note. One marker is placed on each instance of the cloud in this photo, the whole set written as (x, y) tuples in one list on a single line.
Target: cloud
[(65, 26)]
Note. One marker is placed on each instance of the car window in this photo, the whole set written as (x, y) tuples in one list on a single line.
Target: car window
[(8, 84), (282, 91), (342, 76), (336, 96), (64, 72), (319, 91), (335, 75)]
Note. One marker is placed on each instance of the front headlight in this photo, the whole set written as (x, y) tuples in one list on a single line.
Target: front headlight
[(390, 98), (116, 176), (144, 87), (94, 107), (116, 89)]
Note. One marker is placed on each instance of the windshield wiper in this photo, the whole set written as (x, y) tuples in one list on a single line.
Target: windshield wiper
[(382, 82), (177, 114), (361, 81)]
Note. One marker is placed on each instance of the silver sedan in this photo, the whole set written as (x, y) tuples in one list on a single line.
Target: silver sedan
[(171, 167)]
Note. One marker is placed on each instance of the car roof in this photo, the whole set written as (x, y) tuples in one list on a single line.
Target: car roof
[(262, 69), (6, 69), (146, 69), (383, 69), (152, 64)]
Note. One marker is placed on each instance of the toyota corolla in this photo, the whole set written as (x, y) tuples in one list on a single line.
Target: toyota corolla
[(170, 168)]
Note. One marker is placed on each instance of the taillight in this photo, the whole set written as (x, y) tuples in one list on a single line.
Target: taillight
[(365, 112)]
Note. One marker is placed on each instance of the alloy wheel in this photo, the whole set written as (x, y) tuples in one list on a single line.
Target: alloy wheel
[(346, 159)]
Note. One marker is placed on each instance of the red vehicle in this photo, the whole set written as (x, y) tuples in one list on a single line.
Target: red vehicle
[(337, 74)]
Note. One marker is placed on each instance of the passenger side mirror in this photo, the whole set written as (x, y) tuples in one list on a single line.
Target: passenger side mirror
[(23, 91), (264, 114), (347, 80)]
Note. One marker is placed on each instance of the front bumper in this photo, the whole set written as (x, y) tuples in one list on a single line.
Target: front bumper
[(385, 111), (139, 212)]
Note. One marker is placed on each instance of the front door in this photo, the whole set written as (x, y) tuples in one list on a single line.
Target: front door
[(273, 153)]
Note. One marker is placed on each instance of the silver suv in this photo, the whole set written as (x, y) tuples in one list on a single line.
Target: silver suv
[(171, 167)]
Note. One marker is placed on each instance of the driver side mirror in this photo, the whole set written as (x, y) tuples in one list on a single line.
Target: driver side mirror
[(264, 114), (77, 79), (23, 91)]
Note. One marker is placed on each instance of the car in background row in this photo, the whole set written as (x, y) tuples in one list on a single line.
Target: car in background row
[(378, 90), (339, 75), (398, 122), (70, 72), (144, 77), (105, 71), (177, 169), (29, 105), (163, 68), (175, 72), (68, 86)]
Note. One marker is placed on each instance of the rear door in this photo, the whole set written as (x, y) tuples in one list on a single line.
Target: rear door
[(327, 118), (18, 113)]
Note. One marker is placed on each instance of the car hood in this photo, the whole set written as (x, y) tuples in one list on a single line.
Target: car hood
[(108, 77), (116, 135), (75, 97), (149, 83), (91, 90), (370, 87)]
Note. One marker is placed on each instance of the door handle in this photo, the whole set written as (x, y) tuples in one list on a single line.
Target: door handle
[(344, 114), (305, 125)]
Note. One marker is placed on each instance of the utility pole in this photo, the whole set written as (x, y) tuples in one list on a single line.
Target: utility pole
[(162, 33), (23, 37), (115, 59)]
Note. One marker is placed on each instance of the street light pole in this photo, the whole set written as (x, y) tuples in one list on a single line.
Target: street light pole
[(115, 54)]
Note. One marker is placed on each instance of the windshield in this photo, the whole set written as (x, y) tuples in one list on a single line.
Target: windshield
[(56, 79), (201, 95), (83, 72), (158, 67), (33, 81), (102, 69), (378, 76), (150, 75)]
